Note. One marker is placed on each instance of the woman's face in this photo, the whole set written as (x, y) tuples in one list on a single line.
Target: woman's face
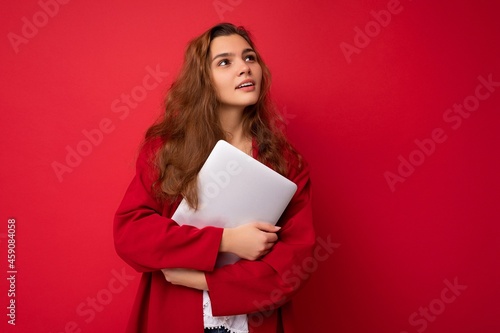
[(236, 74)]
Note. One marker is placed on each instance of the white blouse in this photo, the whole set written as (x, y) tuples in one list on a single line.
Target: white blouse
[(235, 324)]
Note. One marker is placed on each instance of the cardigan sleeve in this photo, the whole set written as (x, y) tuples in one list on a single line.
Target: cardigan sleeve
[(149, 241), (265, 284)]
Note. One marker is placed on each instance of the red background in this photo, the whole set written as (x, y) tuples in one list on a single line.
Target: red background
[(351, 117)]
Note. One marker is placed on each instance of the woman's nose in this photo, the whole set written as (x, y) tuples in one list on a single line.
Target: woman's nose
[(244, 69)]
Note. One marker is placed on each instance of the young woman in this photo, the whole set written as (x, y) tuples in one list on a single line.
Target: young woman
[(222, 92)]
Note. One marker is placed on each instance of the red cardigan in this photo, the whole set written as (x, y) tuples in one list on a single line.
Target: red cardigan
[(148, 240)]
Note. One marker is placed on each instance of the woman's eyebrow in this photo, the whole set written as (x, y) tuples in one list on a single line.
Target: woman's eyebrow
[(230, 54), (223, 55), (249, 50)]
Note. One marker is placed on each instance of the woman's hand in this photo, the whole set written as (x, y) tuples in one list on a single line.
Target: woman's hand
[(186, 277), (249, 241)]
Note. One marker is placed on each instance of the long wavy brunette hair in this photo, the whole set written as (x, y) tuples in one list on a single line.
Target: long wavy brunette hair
[(190, 125)]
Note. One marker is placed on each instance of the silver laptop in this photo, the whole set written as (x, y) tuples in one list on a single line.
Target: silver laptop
[(234, 189)]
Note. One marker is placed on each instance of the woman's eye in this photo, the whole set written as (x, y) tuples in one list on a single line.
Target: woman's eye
[(223, 62), (250, 58)]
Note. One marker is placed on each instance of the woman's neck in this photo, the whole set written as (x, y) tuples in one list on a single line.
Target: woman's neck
[(232, 124)]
